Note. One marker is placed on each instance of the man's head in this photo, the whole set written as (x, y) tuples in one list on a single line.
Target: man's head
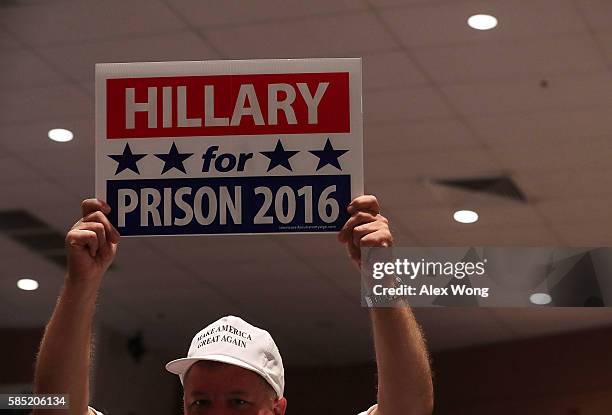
[(221, 388), (232, 367)]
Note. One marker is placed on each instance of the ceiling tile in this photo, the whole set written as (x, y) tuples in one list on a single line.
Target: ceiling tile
[(597, 13), (460, 197), (29, 194), (9, 248), (49, 276), (572, 155), (405, 164), (89, 87), (143, 276), (604, 40), (148, 293), (60, 213), (517, 19), (344, 35), (78, 60), (25, 308), (576, 210), (58, 22), (511, 59), (527, 95), (59, 163), (547, 126), (339, 274), (312, 246), (44, 104), (334, 271), (79, 187), (566, 183), (403, 104), (7, 41), (218, 248), (20, 308), (20, 68), (24, 138), (494, 236), (265, 281), (590, 233), (581, 233), (395, 195), (489, 217), (424, 135), (390, 70), (208, 13), (14, 171), (417, 3)]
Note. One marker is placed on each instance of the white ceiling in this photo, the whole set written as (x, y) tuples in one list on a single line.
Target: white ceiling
[(440, 100)]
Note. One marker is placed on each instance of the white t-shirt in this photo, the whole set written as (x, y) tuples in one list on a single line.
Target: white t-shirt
[(368, 412)]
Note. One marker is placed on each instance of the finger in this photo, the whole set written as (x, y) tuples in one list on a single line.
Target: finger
[(366, 203), (98, 228), (111, 231), (84, 238), (380, 238), (91, 205), (362, 230), (357, 219)]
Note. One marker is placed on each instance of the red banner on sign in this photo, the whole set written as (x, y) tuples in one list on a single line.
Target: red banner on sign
[(186, 106)]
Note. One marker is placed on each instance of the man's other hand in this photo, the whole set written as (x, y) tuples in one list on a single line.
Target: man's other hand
[(365, 228), (91, 244)]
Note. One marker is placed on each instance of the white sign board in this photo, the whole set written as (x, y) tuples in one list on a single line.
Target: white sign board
[(229, 147)]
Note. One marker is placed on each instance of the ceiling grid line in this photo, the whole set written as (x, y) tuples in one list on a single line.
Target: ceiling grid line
[(71, 81), (591, 32), (193, 29), (110, 37), (263, 22)]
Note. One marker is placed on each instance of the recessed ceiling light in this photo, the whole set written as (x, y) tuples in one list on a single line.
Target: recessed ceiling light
[(27, 284), (482, 22), (540, 298), (60, 135), (465, 216)]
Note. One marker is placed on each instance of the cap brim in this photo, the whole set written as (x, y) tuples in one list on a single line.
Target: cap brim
[(181, 366)]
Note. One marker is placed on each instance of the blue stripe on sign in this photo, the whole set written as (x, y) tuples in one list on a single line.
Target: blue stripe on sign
[(225, 205)]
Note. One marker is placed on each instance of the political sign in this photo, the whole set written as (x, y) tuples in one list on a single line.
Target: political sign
[(229, 147)]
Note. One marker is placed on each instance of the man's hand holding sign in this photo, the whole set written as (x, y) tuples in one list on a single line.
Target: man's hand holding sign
[(92, 242), (276, 182)]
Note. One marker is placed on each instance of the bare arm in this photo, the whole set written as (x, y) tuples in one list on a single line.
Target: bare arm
[(63, 362), (404, 375), (62, 366)]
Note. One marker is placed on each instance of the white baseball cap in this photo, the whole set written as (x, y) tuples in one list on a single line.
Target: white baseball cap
[(232, 340)]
